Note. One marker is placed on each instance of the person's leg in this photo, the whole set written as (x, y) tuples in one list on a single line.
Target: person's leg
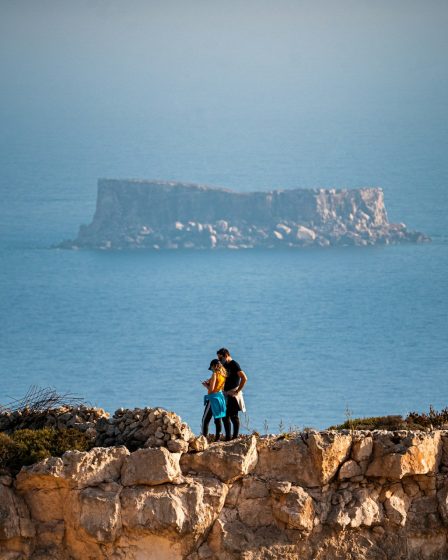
[(218, 428), (226, 422), (236, 425), (206, 417)]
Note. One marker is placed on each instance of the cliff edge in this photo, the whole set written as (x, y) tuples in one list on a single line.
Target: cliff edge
[(312, 495), (133, 214)]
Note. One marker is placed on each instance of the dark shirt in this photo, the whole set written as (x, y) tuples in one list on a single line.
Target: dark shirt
[(233, 379)]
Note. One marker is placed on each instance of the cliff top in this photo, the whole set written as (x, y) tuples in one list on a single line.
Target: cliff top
[(150, 183)]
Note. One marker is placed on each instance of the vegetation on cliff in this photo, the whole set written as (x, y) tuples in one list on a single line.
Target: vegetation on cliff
[(413, 421), (26, 447)]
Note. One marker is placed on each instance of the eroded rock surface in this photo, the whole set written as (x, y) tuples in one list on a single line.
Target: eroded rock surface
[(314, 496), (162, 215)]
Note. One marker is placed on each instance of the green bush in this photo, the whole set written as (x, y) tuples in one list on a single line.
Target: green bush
[(7, 449), (394, 422), (25, 447), (413, 421)]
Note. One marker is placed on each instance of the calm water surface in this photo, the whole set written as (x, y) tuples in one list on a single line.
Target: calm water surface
[(316, 331)]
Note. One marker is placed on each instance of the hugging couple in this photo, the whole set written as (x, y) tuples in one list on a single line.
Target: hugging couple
[(224, 399)]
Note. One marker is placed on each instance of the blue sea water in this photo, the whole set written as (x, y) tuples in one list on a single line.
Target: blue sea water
[(317, 331)]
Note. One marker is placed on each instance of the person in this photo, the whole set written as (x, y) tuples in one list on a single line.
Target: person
[(215, 402), (236, 380)]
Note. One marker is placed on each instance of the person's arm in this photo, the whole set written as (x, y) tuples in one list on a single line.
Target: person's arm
[(243, 379), (212, 384)]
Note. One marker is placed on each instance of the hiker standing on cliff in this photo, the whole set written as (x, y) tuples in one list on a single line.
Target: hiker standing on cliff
[(236, 379)]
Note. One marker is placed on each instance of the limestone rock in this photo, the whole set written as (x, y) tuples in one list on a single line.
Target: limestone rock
[(362, 449), (14, 516), (295, 509), (255, 512), (311, 459), (305, 234), (160, 215), (279, 486), (254, 504), (396, 506), (362, 509), (76, 507), (417, 453), (199, 444), (100, 513), (177, 446), (442, 498), (349, 469), (150, 467), (76, 469), (182, 512), (228, 461)]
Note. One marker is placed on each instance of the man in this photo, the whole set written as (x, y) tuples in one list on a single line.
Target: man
[(236, 379)]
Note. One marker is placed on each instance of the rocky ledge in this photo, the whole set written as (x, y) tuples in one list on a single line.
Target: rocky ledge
[(312, 495), (133, 214)]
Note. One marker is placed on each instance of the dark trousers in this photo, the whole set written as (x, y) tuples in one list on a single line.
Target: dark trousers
[(235, 420), (232, 418)]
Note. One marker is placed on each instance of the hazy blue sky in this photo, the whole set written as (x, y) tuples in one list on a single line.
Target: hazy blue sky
[(134, 58)]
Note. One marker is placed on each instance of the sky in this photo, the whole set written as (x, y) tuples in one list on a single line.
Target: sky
[(196, 57)]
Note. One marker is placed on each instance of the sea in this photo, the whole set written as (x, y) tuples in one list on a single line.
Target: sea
[(323, 335)]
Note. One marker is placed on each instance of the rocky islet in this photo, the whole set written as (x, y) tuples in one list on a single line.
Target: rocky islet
[(137, 214)]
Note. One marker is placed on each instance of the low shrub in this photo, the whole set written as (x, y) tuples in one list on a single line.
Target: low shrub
[(25, 447), (413, 421), (432, 419), (7, 449), (393, 422)]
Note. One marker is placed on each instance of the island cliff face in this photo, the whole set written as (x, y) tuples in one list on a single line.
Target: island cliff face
[(156, 215), (313, 495)]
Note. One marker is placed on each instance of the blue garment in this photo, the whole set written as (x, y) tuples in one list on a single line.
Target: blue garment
[(217, 404)]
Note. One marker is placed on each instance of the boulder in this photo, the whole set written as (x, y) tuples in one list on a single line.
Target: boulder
[(311, 459), (349, 469), (295, 509), (360, 509), (396, 506), (254, 504), (150, 467), (181, 513), (199, 444), (305, 234), (394, 457), (177, 446), (256, 512), (75, 469), (98, 513), (228, 461), (362, 449)]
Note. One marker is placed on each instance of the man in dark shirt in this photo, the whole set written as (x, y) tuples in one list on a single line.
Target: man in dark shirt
[(236, 379)]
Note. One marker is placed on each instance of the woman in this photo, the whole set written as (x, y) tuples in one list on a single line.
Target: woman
[(215, 401)]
